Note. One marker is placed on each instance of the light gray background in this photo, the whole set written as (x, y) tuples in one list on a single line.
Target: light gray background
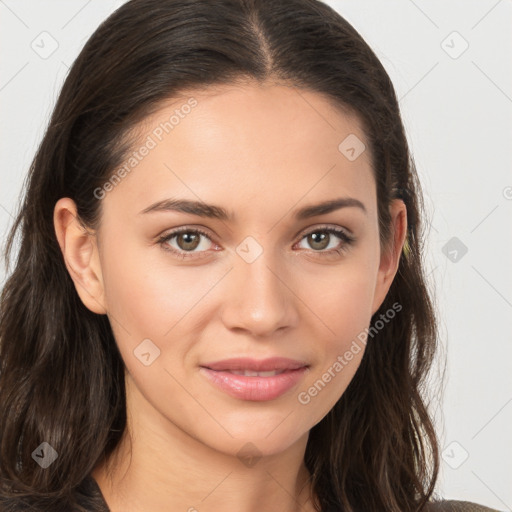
[(457, 109)]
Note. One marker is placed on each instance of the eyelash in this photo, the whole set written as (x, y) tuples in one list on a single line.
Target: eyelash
[(345, 237)]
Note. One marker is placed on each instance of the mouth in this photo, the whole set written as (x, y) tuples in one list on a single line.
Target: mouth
[(245, 364), (250, 379), (250, 373)]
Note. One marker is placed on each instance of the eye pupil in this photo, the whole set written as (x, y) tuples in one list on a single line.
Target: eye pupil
[(191, 240), (319, 237)]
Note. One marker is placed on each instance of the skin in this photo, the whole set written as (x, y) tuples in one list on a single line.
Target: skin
[(261, 152)]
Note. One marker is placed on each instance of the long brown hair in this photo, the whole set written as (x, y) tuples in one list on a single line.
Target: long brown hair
[(62, 377)]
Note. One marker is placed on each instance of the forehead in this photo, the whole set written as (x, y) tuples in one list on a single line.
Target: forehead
[(250, 144)]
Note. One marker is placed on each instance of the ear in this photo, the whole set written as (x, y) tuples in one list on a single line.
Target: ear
[(80, 252), (390, 258)]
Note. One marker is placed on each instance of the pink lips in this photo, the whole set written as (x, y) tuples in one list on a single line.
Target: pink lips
[(255, 387)]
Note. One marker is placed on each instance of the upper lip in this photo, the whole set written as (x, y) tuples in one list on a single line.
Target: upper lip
[(263, 365)]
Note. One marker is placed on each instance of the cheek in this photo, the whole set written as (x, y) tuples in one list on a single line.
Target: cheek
[(343, 303), (343, 298), (144, 292), (149, 296)]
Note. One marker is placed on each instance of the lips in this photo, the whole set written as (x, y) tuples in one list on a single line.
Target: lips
[(250, 379), (250, 373), (243, 364)]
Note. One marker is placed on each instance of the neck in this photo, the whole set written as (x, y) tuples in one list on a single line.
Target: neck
[(159, 467)]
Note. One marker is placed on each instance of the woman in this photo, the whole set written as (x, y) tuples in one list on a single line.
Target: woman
[(219, 300)]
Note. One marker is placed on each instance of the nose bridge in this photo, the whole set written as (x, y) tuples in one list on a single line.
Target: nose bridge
[(261, 302)]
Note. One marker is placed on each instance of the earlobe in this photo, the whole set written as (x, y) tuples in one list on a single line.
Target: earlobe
[(80, 253), (391, 258)]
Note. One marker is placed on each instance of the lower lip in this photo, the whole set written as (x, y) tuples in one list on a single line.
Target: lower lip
[(254, 388)]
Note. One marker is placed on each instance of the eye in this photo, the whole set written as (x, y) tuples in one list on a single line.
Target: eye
[(187, 240), (321, 239)]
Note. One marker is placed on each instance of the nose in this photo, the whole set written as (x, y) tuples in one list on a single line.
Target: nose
[(260, 299)]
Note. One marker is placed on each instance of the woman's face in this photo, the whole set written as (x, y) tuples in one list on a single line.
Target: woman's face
[(254, 273)]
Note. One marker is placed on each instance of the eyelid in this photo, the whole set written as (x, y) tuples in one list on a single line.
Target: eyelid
[(306, 231), (298, 236), (186, 229)]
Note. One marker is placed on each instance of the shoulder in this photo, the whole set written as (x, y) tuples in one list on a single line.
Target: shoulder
[(448, 506), (457, 506), (86, 498)]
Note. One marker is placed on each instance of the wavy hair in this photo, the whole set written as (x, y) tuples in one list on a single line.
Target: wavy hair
[(61, 374)]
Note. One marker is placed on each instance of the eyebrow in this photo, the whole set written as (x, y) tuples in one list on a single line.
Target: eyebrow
[(217, 212)]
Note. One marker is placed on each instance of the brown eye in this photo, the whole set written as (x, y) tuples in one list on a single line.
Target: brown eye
[(188, 241), (325, 238), (183, 243), (318, 240)]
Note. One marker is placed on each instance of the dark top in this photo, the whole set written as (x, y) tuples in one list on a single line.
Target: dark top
[(95, 502), (90, 498)]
